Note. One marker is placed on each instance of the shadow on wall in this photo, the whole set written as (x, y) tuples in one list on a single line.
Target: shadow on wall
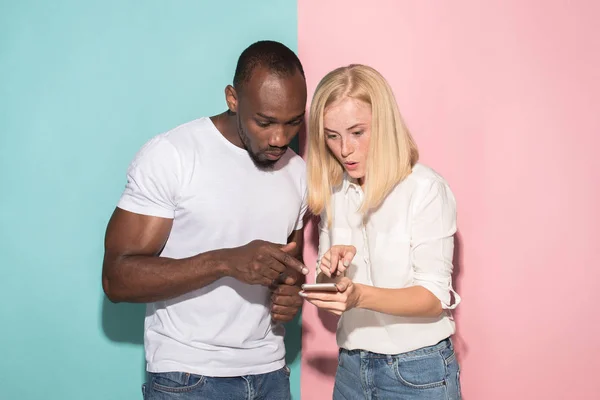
[(326, 364), (461, 347), (123, 322), (293, 339)]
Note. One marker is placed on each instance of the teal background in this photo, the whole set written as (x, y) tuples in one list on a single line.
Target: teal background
[(83, 84)]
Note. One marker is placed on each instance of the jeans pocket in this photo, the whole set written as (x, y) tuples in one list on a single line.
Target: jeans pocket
[(453, 371), (176, 382), (449, 355), (286, 371), (422, 372)]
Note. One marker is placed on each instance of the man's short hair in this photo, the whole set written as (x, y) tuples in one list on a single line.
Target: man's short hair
[(274, 56)]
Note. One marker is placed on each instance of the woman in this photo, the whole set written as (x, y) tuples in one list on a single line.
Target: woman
[(386, 240)]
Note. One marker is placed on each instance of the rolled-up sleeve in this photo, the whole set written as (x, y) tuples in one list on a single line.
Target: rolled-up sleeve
[(432, 241)]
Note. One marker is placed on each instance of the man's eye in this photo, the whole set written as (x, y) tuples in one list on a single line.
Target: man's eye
[(296, 123), (263, 124)]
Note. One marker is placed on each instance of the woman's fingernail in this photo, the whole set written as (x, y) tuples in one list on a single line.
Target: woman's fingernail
[(302, 294), (346, 263)]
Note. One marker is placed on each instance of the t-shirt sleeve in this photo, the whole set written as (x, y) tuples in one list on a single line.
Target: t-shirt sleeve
[(304, 205), (153, 180)]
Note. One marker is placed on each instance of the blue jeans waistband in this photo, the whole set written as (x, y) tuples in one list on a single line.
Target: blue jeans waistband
[(446, 343)]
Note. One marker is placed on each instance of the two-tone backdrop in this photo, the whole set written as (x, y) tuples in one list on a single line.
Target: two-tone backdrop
[(501, 96)]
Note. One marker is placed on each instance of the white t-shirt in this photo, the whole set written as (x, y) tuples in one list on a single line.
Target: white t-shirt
[(217, 199), (407, 241)]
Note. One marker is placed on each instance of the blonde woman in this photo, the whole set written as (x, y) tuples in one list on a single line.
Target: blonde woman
[(386, 240)]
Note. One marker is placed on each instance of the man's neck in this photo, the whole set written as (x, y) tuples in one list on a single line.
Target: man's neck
[(226, 123)]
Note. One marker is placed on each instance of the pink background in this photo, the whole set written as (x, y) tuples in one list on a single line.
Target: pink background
[(503, 100)]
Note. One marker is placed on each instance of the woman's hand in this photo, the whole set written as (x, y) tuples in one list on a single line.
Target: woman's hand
[(347, 297), (336, 260)]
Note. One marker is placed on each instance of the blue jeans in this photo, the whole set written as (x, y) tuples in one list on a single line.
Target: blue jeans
[(430, 373), (183, 386)]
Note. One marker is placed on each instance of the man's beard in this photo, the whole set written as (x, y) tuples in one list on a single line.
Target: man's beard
[(260, 163)]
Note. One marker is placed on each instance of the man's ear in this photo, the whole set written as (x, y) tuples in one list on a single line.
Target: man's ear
[(231, 97)]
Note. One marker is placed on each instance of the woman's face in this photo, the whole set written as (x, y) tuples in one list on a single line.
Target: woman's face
[(347, 124)]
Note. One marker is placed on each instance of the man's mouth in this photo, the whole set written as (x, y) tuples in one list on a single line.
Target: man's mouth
[(275, 155)]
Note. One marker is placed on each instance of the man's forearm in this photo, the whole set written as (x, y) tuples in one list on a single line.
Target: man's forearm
[(144, 279)]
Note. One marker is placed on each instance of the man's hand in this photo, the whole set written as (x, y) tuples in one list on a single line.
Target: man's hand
[(286, 302), (263, 263)]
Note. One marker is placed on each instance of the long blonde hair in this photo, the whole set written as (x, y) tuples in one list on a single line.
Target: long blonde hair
[(392, 150)]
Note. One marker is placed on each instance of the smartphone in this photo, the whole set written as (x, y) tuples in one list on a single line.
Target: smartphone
[(320, 287)]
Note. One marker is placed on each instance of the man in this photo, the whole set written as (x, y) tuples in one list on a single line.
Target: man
[(208, 232)]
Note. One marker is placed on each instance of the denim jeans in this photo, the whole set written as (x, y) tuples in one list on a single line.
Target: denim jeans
[(183, 386), (429, 373)]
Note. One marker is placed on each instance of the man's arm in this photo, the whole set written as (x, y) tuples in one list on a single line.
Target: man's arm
[(133, 272)]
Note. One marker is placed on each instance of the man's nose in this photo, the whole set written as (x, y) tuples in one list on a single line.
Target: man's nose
[(281, 136)]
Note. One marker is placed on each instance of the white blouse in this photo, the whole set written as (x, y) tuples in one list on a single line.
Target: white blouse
[(407, 241)]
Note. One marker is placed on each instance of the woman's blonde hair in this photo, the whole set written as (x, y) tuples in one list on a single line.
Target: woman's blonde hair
[(392, 150)]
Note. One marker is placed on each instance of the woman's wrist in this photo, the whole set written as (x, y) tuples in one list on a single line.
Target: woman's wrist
[(359, 290)]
